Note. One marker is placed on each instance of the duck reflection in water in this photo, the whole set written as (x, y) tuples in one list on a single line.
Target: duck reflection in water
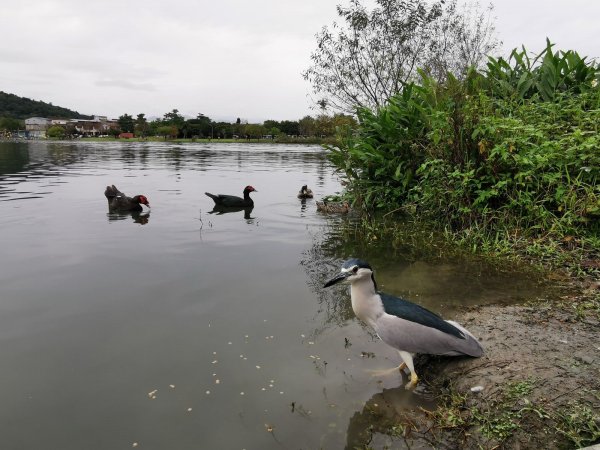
[(219, 210), (302, 205), (138, 217)]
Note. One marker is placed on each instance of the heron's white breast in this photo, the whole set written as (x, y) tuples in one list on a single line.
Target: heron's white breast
[(366, 303)]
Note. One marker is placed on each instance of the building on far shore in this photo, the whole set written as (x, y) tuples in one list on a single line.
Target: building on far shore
[(36, 127)]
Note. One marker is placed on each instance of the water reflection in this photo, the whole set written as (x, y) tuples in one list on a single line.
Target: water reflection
[(387, 418), (14, 157), (219, 210), (302, 205), (140, 217)]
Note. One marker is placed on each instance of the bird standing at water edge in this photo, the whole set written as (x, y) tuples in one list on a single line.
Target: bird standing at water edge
[(232, 200), (118, 201), (406, 326)]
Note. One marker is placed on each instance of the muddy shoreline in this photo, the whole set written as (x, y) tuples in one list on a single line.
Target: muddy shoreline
[(537, 386)]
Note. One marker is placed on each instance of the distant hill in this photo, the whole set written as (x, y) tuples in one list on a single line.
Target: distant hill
[(21, 108)]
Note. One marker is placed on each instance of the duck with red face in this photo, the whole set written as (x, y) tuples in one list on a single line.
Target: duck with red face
[(118, 201)]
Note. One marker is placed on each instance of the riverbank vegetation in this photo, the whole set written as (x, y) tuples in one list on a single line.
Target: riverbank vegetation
[(507, 157), (494, 156), (502, 154)]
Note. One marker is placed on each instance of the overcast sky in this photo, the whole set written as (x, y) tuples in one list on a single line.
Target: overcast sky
[(223, 58)]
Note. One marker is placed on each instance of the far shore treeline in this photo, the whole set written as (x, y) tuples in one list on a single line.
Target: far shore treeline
[(173, 125)]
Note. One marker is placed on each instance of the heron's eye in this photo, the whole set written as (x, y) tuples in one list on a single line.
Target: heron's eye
[(355, 269)]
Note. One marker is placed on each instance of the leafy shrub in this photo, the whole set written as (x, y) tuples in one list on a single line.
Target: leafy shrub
[(515, 147)]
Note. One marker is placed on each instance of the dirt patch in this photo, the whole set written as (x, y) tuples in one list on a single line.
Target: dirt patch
[(538, 385)]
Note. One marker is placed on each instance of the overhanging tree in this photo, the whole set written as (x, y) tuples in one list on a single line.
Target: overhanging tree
[(365, 60)]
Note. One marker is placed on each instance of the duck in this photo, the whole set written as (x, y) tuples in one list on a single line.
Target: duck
[(118, 201), (232, 201), (333, 207), (305, 192)]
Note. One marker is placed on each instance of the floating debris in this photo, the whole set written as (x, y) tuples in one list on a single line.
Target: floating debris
[(302, 336), (207, 392), (172, 386), (215, 361), (258, 367), (242, 393), (135, 444), (217, 381), (269, 428), (152, 394), (189, 409)]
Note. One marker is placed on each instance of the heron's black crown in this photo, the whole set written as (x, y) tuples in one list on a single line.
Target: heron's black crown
[(356, 262)]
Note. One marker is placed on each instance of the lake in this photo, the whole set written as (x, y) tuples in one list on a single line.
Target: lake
[(179, 328)]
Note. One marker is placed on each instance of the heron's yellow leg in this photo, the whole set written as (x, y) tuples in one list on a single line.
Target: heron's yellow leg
[(408, 360), (412, 383)]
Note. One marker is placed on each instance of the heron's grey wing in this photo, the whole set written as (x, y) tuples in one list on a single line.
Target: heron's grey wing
[(414, 337)]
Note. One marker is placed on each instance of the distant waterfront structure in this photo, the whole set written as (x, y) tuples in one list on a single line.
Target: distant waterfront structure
[(36, 127)]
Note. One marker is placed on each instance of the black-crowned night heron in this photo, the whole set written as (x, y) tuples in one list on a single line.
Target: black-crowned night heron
[(407, 327)]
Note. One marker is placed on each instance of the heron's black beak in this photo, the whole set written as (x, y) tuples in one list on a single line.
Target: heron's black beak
[(339, 277)]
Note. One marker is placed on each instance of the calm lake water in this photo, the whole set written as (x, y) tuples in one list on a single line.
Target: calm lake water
[(182, 329)]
